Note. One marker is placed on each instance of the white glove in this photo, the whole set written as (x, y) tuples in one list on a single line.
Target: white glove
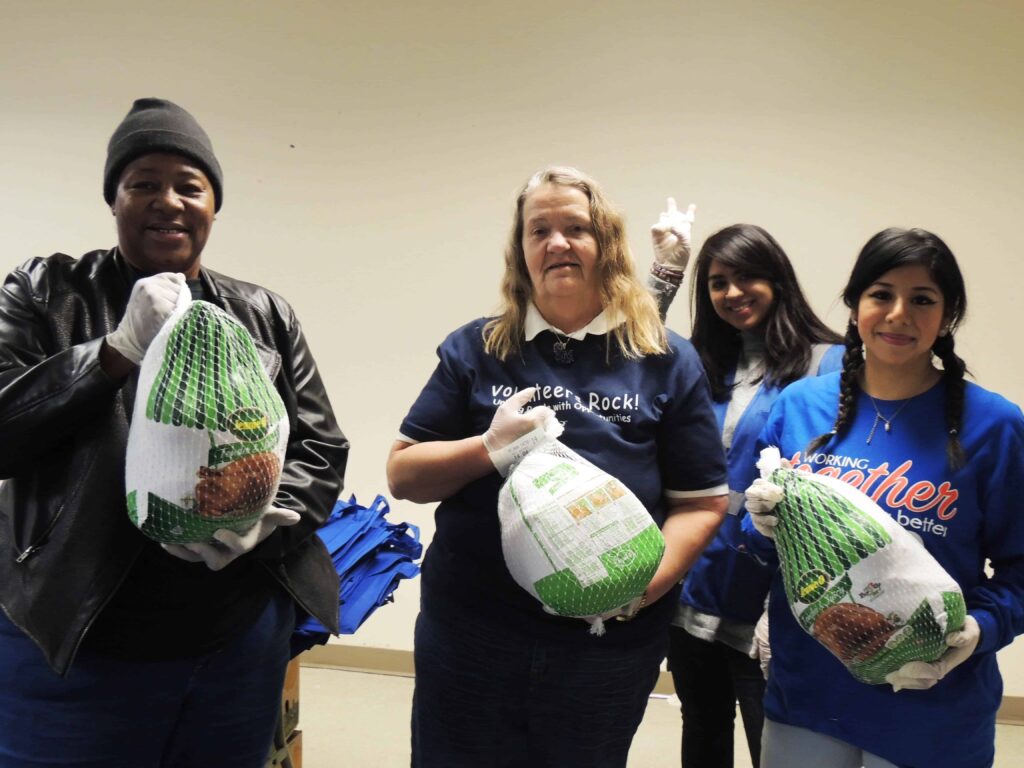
[(629, 611), (762, 496), (231, 545), (151, 302), (921, 675), (671, 236), (761, 650), (513, 433)]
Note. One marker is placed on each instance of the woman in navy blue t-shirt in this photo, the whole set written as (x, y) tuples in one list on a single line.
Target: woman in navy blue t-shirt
[(499, 682)]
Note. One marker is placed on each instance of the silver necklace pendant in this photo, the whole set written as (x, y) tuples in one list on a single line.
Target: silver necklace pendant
[(874, 426), (562, 352), (887, 422)]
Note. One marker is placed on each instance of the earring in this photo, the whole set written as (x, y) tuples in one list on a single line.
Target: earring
[(944, 332), (853, 322)]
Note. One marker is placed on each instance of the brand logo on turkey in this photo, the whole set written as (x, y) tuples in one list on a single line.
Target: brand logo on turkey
[(248, 424), (811, 585)]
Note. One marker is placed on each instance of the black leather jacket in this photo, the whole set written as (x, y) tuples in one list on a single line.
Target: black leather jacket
[(66, 542)]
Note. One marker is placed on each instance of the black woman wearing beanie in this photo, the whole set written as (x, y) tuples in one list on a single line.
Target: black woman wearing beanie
[(115, 650)]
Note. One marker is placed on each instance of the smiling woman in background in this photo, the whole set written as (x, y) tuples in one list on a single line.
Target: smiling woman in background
[(499, 682), (755, 334)]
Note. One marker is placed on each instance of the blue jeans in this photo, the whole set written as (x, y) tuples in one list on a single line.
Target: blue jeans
[(494, 696), (216, 710), (787, 745), (709, 679)]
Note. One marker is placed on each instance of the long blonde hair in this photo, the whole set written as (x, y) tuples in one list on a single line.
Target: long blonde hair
[(622, 294)]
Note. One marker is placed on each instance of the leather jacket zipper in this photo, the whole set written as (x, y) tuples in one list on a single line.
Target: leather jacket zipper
[(32, 549), (40, 541)]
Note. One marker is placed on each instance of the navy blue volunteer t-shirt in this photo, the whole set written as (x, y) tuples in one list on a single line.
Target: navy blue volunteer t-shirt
[(648, 422)]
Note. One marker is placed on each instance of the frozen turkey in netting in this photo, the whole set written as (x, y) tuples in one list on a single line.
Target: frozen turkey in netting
[(864, 587), (574, 536), (208, 432)]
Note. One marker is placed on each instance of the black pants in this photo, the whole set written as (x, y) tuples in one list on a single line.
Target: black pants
[(709, 679), (489, 696)]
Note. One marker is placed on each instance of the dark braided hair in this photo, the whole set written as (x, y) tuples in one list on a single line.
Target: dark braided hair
[(791, 329), (890, 249), (953, 372), (853, 362)]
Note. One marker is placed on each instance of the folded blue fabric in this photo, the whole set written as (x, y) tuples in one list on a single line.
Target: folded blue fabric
[(374, 590), (371, 556)]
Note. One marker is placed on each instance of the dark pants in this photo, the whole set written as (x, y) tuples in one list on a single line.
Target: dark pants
[(709, 679), (495, 697), (216, 710)]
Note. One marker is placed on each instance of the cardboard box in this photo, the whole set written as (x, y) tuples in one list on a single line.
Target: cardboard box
[(292, 751), (290, 699)]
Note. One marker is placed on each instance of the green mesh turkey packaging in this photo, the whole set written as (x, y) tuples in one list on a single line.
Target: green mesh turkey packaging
[(208, 432), (576, 537), (858, 582)]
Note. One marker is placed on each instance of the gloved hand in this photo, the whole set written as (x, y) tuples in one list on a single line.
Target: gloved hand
[(629, 611), (762, 496), (921, 675), (671, 236), (231, 545), (513, 434), (761, 650), (151, 302)]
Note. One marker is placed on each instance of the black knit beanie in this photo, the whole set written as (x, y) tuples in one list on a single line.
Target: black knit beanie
[(158, 125)]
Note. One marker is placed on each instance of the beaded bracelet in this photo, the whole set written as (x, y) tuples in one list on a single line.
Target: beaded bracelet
[(668, 274)]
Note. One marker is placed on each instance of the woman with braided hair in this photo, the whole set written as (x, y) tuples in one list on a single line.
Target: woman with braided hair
[(945, 458)]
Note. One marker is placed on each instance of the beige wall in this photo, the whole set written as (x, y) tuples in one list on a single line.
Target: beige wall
[(371, 151)]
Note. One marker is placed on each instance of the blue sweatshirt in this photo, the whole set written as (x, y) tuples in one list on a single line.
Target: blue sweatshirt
[(726, 582), (648, 422), (963, 518)]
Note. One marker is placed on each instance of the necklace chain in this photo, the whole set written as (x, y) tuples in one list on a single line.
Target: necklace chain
[(880, 418), (563, 354)]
